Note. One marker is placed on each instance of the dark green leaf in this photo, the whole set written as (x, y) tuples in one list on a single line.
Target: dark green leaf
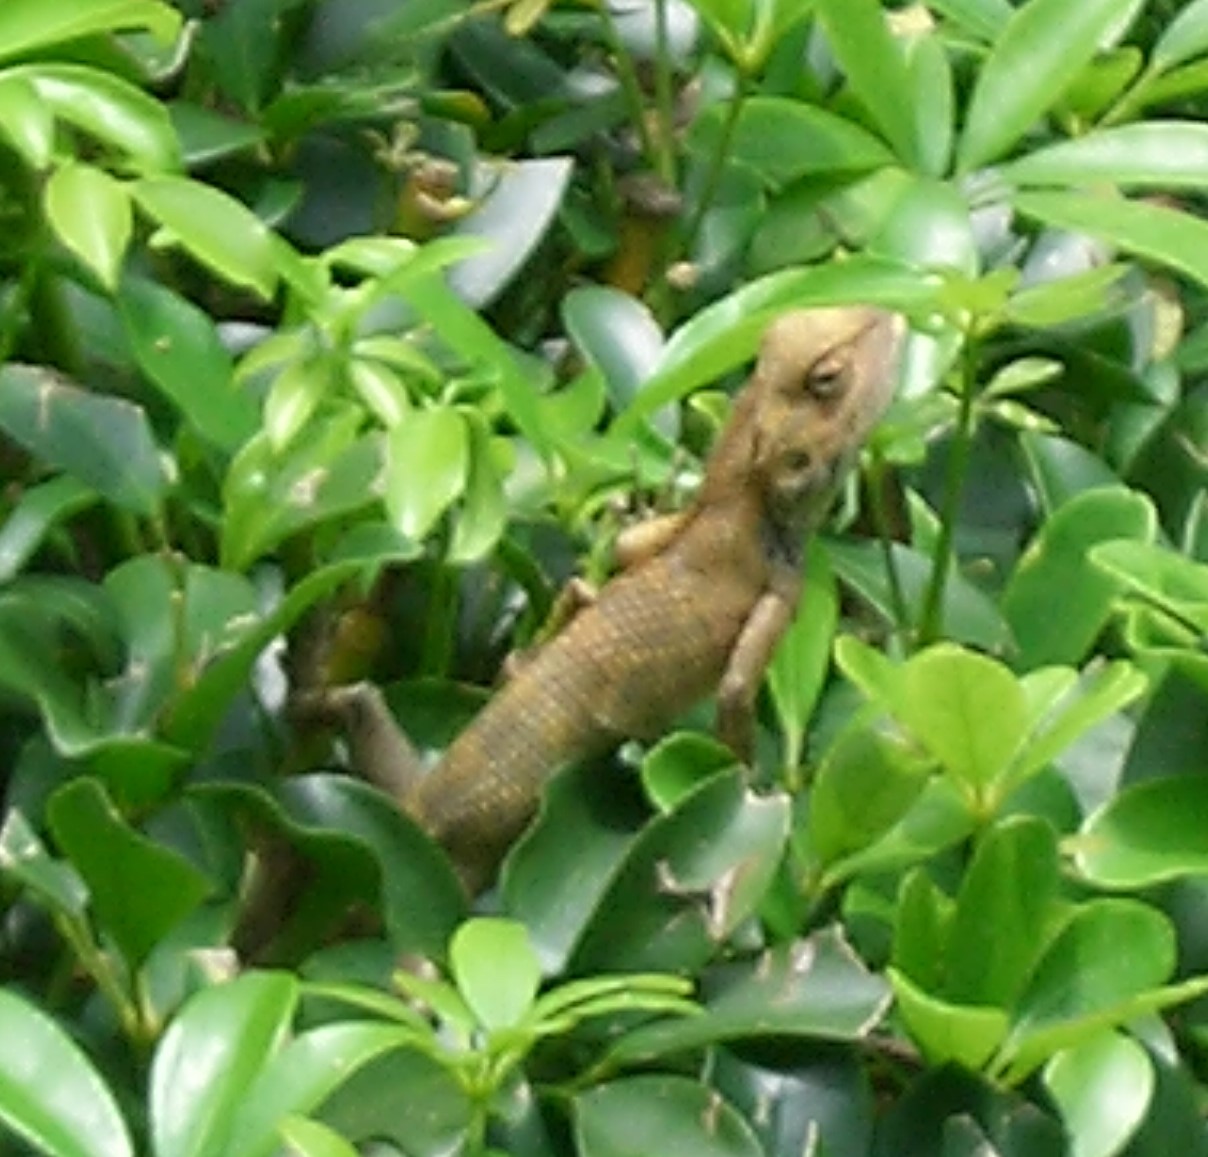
[(138, 889), (104, 442), (671, 1116)]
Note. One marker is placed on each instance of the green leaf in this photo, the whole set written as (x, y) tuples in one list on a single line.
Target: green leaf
[(138, 889), (209, 1057), (668, 1115), (34, 515), (215, 228), (1103, 1088), (108, 108), (472, 338), (968, 710), (970, 616), (1185, 37), (50, 1094), (426, 463), (177, 346), (1160, 577), (865, 784), (726, 333), (330, 469), (496, 970), (802, 658), (1042, 49), (104, 442), (815, 989), (785, 140), (516, 214), (27, 26), (90, 211), (1168, 236), (25, 121), (1005, 904), (676, 766), (929, 226), (295, 396), (617, 334), (24, 859), (302, 1075), (930, 75), (484, 512), (1149, 833), (983, 18), (314, 1139), (1058, 558), (1164, 154), (1060, 719), (1084, 981), (874, 66), (1053, 303), (966, 1034), (722, 841)]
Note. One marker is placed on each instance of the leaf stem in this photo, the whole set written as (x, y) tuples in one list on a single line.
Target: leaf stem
[(932, 622), (717, 163)]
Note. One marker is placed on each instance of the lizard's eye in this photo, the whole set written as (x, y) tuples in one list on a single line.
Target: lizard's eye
[(825, 379)]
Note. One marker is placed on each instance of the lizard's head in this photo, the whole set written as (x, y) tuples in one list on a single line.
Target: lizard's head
[(823, 379)]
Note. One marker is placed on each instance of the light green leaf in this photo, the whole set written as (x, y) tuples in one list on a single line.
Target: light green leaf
[(91, 213), (1149, 833), (1043, 48), (1103, 1089), (107, 108), (25, 121), (50, 1094), (874, 66), (208, 1059), (496, 970), (800, 662), (968, 710), (1155, 154), (426, 466), (1185, 37), (966, 1034), (1168, 236), (27, 26), (215, 228)]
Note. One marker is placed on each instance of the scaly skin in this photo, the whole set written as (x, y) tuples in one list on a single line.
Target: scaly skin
[(700, 606)]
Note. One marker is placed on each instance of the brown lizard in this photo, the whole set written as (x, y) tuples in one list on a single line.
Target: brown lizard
[(701, 601)]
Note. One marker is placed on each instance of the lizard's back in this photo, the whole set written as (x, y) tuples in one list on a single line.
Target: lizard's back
[(654, 643)]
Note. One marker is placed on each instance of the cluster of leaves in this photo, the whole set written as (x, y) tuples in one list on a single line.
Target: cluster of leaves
[(352, 323)]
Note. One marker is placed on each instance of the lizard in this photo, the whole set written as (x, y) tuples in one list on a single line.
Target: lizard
[(700, 601)]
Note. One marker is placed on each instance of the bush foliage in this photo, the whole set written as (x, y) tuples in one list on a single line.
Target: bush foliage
[(335, 334)]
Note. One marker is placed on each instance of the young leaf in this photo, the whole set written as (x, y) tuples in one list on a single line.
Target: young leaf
[(427, 456), (496, 970)]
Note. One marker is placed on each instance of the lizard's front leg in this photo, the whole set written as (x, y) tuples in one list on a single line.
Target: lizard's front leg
[(767, 622)]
